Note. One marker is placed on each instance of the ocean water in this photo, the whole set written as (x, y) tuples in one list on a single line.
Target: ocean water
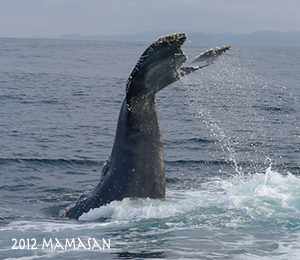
[(231, 143)]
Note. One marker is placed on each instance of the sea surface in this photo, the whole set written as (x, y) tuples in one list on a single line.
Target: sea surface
[(231, 144)]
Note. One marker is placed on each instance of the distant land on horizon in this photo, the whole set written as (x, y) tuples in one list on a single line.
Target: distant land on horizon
[(255, 38)]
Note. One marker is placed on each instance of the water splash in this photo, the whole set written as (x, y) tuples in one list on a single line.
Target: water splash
[(266, 198), (243, 112)]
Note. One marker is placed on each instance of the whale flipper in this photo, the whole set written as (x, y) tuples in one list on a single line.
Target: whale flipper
[(204, 59), (157, 67), (136, 167)]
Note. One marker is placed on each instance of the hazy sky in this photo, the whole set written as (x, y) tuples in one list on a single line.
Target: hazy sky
[(26, 18)]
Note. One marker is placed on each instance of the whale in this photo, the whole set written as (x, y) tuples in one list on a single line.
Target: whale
[(135, 167)]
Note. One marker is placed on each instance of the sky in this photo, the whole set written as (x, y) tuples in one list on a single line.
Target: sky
[(27, 18)]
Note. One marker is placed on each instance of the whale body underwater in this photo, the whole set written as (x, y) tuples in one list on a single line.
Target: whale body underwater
[(136, 167)]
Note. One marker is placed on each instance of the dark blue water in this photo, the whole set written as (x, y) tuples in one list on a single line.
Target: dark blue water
[(231, 143)]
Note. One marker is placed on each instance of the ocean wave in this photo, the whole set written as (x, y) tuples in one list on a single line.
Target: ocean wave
[(39, 161), (276, 109)]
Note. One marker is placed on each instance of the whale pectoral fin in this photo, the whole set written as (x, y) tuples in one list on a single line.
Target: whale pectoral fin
[(204, 59), (157, 66), (210, 56), (136, 166), (187, 70)]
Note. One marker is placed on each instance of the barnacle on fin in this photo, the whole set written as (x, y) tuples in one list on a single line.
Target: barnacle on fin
[(169, 38)]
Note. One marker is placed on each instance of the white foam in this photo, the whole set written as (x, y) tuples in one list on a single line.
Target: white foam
[(268, 194), (133, 209)]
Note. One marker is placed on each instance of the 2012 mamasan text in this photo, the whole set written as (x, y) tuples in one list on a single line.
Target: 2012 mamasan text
[(61, 244)]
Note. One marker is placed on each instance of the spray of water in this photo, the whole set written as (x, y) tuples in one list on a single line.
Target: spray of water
[(235, 105)]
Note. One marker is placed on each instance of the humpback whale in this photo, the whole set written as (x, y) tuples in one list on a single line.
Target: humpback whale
[(136, 167)]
